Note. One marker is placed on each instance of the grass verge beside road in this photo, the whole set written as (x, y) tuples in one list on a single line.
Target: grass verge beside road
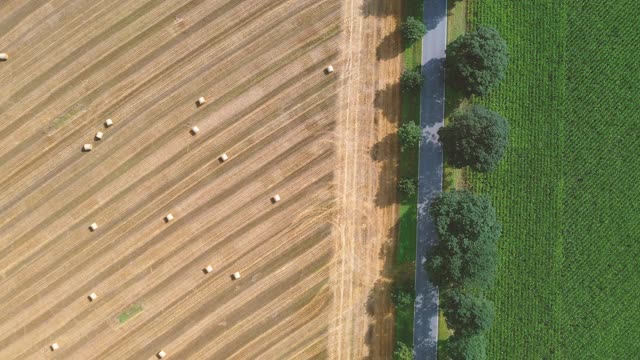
[(456, 26), (406, 250)]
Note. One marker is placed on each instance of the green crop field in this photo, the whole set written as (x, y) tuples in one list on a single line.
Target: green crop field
[(567, 190)]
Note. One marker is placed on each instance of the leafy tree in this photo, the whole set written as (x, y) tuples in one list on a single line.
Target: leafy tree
[(408, 186), (465, 347), (468, 230), (401, 298), (409, 134), (467, 314), (412, 30), (475, 137), (477, 61), (402, 293), (411, 80), (402, 352)]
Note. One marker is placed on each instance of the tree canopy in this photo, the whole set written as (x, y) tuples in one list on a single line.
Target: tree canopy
[(412, 30), (463, 347), (477, 61), (475, 137), (409, 134), (408, 186), (468, 230), (467, 313), (402, 293), (411, 80), (402, 352)]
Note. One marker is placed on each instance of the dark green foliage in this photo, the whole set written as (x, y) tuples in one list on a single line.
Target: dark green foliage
[(466, 314), (402, 352), (567, 190), (411, 80), (464, 347), (402, 298), (408, 186), (477, 61), (412, 30), (402, 293), (475, 137), (468, 230), (409, 134)]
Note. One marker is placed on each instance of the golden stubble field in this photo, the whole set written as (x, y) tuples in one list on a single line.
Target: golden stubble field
[(288, 129)]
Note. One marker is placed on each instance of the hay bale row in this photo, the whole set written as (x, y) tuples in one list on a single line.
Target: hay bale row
[(98, 136), (169, 217)]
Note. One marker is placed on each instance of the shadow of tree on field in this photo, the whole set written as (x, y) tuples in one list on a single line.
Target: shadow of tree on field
[(380, 8), (390, 46), (384, 149), (386, 99)]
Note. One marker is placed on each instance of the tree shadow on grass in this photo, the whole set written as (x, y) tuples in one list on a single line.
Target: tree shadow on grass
[(451, 4), (453, 100), (442, 348)]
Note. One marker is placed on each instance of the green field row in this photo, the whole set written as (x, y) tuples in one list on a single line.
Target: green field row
[(567, 190)]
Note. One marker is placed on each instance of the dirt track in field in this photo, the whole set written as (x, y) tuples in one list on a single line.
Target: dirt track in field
[(288, 128), (368, 150)]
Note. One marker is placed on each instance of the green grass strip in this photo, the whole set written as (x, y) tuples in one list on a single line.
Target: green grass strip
[(129, 313), (406, 249)]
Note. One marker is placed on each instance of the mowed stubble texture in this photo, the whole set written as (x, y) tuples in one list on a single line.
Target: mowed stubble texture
[(270, 107)]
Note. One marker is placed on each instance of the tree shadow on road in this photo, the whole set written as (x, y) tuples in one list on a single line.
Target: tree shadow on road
[(434, 17)]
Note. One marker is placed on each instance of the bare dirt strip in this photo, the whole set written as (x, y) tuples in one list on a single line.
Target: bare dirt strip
[(368, 149), (308, 263)]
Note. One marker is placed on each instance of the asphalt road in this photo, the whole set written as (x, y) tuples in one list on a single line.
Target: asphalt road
[(425, 326)]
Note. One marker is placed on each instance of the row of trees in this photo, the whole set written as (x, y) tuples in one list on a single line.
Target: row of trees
[(476, 62), (475, 136), (463, 263)]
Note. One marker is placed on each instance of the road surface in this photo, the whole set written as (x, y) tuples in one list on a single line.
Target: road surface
[(425, 335)]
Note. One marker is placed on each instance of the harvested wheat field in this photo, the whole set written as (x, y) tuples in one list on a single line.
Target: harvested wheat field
[(90, 258)]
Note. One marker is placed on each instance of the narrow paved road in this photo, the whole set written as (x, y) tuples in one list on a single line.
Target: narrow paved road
[(425, 336)]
